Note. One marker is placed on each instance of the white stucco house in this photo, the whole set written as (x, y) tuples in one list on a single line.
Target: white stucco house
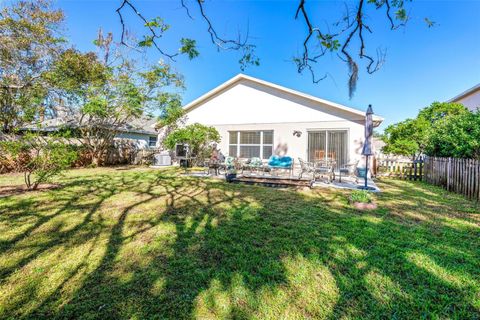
[(256, 118), (469, 98)]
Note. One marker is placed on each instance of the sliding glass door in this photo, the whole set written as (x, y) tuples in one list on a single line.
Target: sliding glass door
[(317, 145), (328, 144)]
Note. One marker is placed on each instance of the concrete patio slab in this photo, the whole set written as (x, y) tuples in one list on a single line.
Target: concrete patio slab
[(347, 183)]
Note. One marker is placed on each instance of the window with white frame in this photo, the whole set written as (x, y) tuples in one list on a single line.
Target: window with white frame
[(249, 144), (152, 142)]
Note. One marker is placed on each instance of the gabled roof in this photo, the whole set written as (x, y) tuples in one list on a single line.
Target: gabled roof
[(242, 77), (465, 93)]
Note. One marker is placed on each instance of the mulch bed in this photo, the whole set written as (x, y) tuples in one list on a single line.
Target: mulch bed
[(6, 191)]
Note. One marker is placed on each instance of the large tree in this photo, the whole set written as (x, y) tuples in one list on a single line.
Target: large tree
[(346, 35), (109, 90), (456, 136), (30, 40), (414, 137), (406, 138), (100, 93)]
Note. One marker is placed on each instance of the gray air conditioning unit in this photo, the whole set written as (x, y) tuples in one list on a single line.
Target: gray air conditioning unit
[(162, 159)]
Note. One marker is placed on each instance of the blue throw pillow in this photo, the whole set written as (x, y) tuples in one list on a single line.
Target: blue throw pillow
[(273, 161), (286, 161)]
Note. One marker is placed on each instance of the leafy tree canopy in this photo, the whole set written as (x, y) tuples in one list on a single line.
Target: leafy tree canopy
[(430, 132), (198, 137), (406, 138), (110, 89), (101, 92), (456, 136), (30, 40), (73, 71), (439, 110)]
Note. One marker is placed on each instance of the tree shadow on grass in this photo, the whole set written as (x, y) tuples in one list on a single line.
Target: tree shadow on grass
[(189, 248)]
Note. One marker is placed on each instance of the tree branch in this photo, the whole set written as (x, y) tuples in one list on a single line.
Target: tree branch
[(225, 44), (186, 9), (354, 29), (153, 33), (351, 27)]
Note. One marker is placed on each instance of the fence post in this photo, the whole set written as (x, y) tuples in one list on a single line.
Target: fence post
[(427, 164), (478, 179), (415, 171), (448, 173)]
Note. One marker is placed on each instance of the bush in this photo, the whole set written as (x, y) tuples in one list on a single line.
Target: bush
[(362, 196), (198, 137), (40, 159)]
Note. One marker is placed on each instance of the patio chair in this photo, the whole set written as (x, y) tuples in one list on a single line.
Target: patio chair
[(229, 163), (349, 170), (306, 167), (206, 166), (253, 164), (322, 168)]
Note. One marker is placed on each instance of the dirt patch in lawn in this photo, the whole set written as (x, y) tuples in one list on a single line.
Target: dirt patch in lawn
[(6, 191)]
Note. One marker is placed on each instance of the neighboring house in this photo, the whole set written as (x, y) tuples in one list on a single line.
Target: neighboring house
[(256, 118), (469, 98), (378, 145), (141, 130)]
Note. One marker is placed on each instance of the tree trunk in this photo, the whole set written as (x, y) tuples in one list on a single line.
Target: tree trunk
[(98, 156), (96, 161), (35, 186), (27, 176)]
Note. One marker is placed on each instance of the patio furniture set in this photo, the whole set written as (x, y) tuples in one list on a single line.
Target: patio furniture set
[(277, 166), (274, 165)]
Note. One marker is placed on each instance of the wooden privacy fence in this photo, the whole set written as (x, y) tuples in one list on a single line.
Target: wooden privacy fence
[(457, 175), (402, 169)]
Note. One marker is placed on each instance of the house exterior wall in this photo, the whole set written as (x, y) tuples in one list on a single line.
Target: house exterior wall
[(286, 143), (248, 102), (471, 100), (140, 139), (249, 106)]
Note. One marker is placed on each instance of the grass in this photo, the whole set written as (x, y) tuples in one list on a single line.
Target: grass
[(146, 244)]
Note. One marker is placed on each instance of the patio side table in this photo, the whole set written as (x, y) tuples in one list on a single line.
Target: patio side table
[(325, 168)]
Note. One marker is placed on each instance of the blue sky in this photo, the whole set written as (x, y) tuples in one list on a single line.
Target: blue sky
[(423, 64)]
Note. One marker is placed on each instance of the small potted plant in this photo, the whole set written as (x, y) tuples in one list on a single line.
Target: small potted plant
[(362, 200), (231, 173)]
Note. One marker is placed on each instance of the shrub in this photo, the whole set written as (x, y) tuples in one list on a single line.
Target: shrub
[(362, 196), (40, 159), (198, 137)]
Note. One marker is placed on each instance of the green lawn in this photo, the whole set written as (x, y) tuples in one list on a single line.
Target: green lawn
[(142, 243)]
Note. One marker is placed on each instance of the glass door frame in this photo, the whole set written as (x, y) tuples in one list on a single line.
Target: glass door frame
[(326, 131)]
